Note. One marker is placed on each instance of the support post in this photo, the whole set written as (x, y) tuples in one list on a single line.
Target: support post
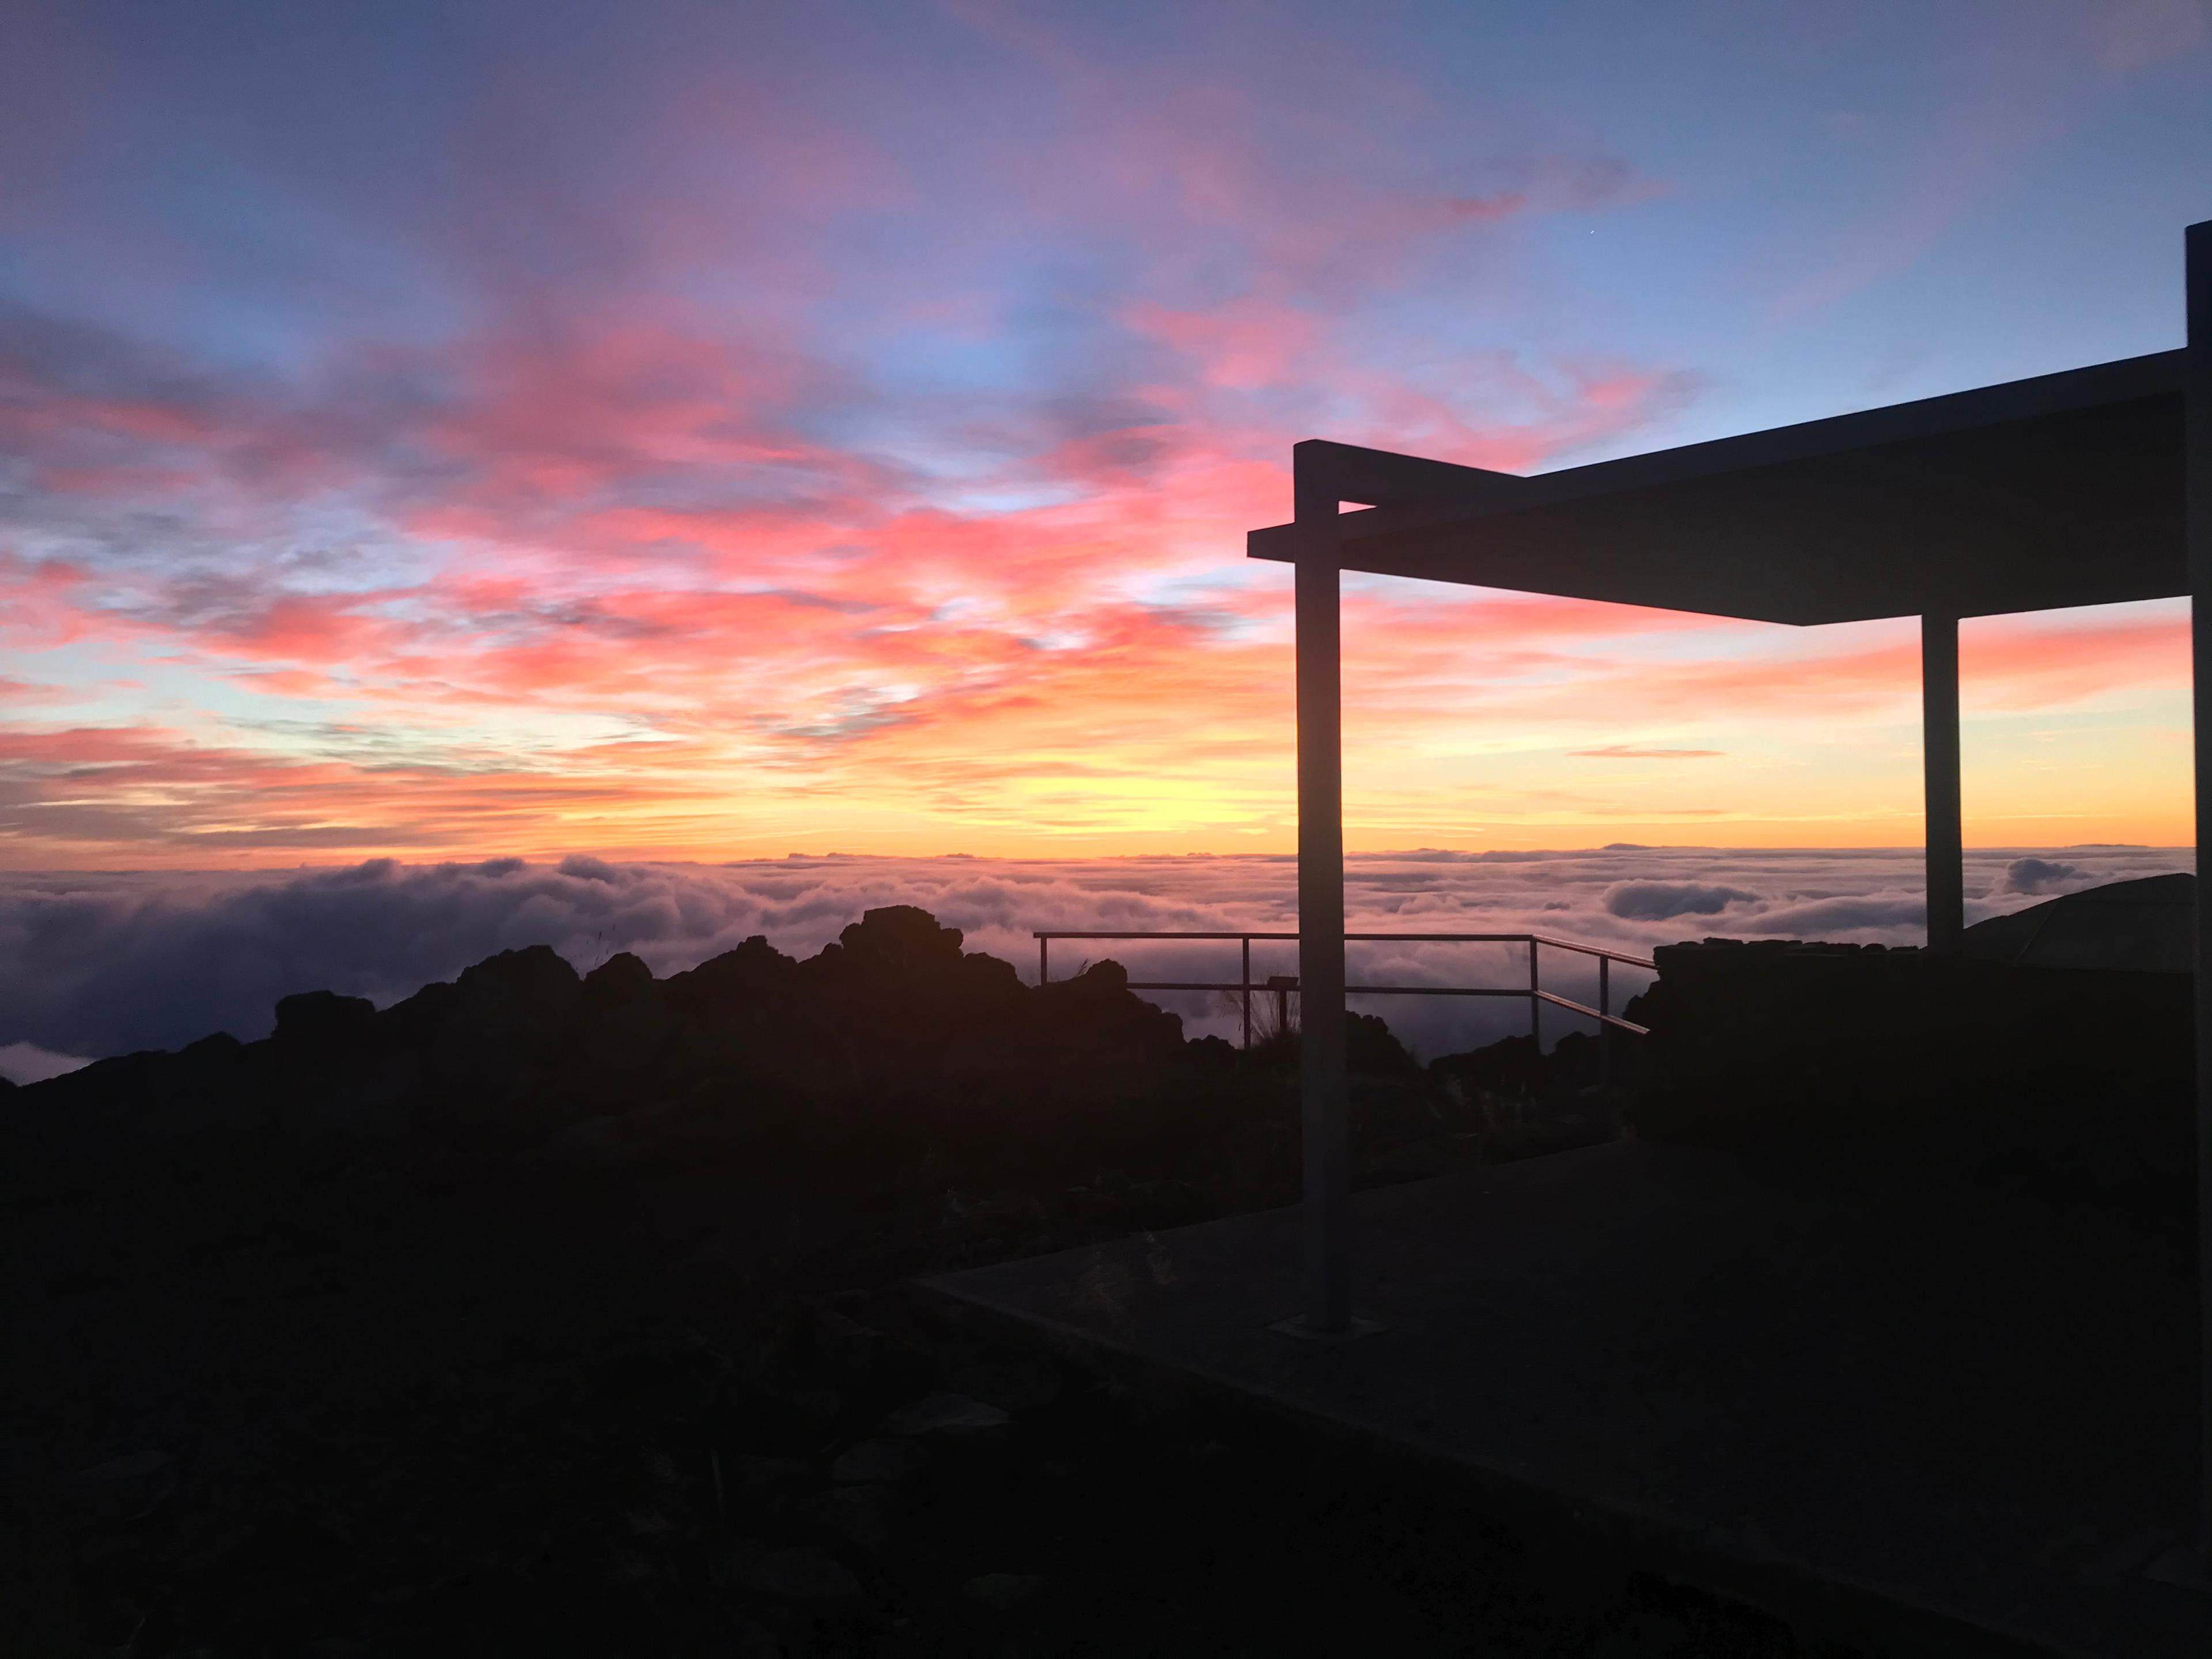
[(1604, 1030), (1323, 1084), (1939, 728), (1535, 1002), (2197, 495), (1245, 986), (1044, 970)]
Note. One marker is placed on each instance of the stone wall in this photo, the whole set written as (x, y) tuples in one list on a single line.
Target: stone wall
[(2067, 1080)]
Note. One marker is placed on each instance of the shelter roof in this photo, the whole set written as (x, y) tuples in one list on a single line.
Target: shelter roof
[(2065, 489)]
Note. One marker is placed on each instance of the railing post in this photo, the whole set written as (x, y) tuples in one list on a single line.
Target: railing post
[(1323, 1086), (1043, 971), (1939, 742), (2196, 495), (1244, 984), (1535, 1002), (1604, 1030)]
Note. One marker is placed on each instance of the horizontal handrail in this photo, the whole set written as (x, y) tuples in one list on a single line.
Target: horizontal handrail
[(1614, 1020), (1284, 986), (1349, 990), (1062, 932), (1551, 940)]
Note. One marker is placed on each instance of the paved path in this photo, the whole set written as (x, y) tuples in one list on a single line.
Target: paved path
[(1876, 1407)]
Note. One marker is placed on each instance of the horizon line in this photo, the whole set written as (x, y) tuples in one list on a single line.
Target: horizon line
[(555, 860)]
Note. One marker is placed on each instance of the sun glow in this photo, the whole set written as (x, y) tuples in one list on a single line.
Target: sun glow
[(804, 469)]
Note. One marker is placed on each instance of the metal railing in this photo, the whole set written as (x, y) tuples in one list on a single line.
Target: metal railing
[(1283, 986)]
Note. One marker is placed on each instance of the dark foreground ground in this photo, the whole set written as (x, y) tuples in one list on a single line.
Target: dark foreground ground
[(1914, 1416), (551, 1410), (533, 1314)]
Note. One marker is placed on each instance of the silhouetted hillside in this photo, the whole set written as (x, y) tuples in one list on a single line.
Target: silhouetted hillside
[(893, 1034), (2073, 1082), (556, 1313), (491, 1321), (890, 1049)]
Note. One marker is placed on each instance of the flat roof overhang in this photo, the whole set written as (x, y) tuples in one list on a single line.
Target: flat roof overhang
[(2066, 489), (2092, 487)]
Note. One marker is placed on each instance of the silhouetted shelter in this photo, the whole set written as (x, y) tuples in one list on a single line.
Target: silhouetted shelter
[(2084, 488)]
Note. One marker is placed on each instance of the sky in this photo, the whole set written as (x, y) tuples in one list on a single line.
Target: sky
[(663, 431)]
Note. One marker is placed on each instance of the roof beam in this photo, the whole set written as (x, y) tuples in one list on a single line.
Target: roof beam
[(2060, 491), (1377, 478)]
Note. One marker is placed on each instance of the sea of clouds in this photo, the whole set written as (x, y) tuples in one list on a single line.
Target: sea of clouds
[(99, 964)]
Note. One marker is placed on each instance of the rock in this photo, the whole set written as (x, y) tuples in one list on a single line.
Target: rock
[(1003, 1592), (901, 943), (977, 1433), (883, 1461), (1415, 1162), (132, 1465), (725, 985), (518, 1000), (309, 1529), (763, 1486), (1658, 1634), (591, 1140), (1013, 1388), (806, 1408), (743, 1639), (322, 1019), (844, 1350), (944, 1417), (858, 1514), (622, 978), (811, 1577), (819, 1369), (1058, 1463), (126, 1489), (736, 1559), (831, 1326)]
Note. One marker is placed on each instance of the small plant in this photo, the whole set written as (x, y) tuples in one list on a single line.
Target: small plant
[(598, 957), (1274, 1013)]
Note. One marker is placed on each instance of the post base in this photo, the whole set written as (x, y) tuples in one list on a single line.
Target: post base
[(2183, 1568), (1295, 1326)]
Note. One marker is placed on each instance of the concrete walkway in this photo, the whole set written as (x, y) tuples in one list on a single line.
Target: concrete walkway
[(1894, 1412)]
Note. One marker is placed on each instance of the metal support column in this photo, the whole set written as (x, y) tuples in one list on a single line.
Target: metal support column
[(1939, 728), (1244, 995), (1323, 1090), (2198, 492), (1535, 1002), (1604, 1030)]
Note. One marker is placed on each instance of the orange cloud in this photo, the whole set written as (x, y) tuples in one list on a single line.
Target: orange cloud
[(742, 475)]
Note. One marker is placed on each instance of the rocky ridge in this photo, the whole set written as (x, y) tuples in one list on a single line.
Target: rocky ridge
[(556, 1312)]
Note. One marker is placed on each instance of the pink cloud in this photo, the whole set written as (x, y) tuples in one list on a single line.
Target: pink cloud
[(716, 469), (2134, 35), (2039, 662), (1243, 345), (1627, 751)]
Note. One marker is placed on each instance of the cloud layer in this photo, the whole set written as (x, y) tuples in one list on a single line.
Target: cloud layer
[(95, 965)]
